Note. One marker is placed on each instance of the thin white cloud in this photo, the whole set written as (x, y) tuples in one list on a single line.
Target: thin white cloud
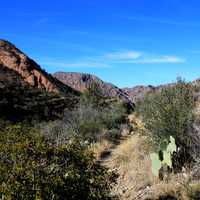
[(123, 55), (83, 64), (113, 59), (141, 58), (158, 60)]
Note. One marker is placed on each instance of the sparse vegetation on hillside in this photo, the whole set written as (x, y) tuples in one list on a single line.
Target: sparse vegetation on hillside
[(95, 118)]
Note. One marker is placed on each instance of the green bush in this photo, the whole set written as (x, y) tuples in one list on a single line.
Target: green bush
[(170, 113), (32, 168)]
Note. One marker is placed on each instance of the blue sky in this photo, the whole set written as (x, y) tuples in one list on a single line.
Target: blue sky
[(126, 42)]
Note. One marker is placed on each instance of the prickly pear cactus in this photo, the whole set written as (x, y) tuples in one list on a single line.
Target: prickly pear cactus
[(167, 151), (156, 163)]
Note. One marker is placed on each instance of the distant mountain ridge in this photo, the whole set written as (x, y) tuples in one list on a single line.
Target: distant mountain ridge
[(138, 93), (82, 81)]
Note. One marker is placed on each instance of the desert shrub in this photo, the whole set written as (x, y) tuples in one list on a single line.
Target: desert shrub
[(32, 168), (96, 117), (105, 117), (84, 122), (91, 123), (92, 119), (170, 113), (114, 115)]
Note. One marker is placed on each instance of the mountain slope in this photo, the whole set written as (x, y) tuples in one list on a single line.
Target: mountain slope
[(20, 101), (81, 82), (27, 91), (29, 70)]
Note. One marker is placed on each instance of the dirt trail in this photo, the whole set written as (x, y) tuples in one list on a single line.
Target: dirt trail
[(129, 158), (106, 155)]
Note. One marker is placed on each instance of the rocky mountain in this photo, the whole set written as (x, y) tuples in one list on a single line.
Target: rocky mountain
[(21, 101), (27, 91), (81, 82), (12, 58)]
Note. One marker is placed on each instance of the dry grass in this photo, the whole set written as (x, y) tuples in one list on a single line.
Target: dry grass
[(167, 190), (136, 122), (132, 161)]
